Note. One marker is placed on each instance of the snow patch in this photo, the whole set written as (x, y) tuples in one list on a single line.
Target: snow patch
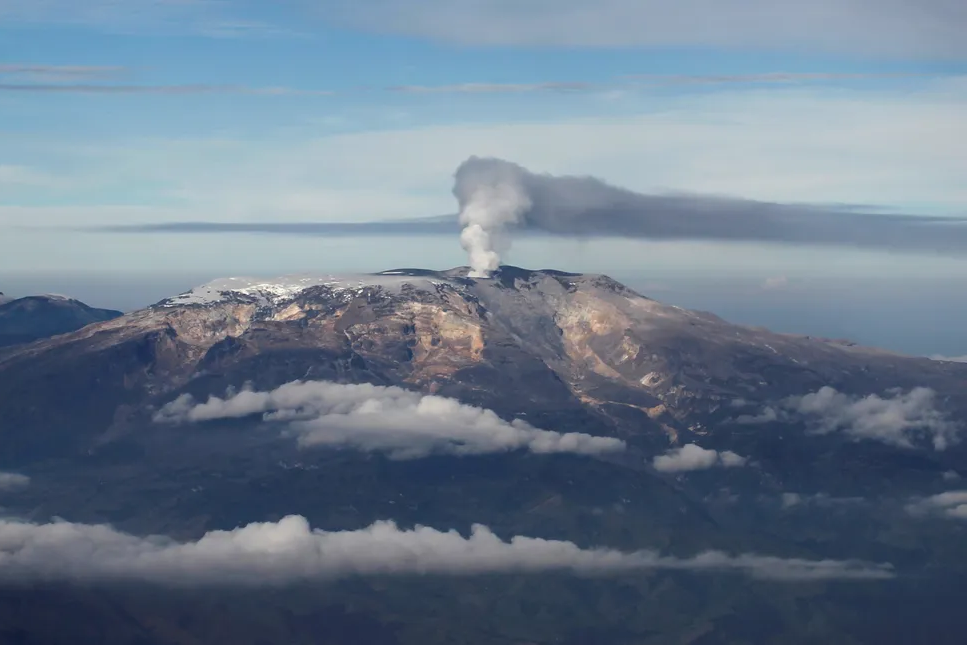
[(276, 290)]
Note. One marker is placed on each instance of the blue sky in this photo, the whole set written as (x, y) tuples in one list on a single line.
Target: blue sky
[(146, 111)]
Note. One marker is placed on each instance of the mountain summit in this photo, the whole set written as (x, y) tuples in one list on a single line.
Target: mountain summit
[(537, 403), (23, 320), (565, 348)]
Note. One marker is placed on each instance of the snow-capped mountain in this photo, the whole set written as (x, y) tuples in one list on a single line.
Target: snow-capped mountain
[(731, 438), (550, 343), (273, 291)]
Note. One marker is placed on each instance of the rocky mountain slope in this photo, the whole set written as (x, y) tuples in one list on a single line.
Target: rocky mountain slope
[(24, 320), (581, 347), (736, 438)]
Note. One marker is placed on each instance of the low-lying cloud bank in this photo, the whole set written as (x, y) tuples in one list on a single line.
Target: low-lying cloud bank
[(373, 418), (952, 504), (13, 481), (290, 551), (692, 457), (901, 420)]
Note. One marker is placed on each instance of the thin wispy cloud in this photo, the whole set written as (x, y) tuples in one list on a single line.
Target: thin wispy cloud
[(884, 28), (60, 82), (391, 420), (649, 81), (766, 78), (496, 88), (211, 18), (290, 551), (178, 90), (57, 73)]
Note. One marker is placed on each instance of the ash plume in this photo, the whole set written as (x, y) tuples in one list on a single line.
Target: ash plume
[(497, 197)]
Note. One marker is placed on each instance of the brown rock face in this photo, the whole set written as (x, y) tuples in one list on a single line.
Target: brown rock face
[(544, 342)]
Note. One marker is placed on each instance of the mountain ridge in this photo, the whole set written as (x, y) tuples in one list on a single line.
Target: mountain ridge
[(725, 447), (521, 339), (30, 318)]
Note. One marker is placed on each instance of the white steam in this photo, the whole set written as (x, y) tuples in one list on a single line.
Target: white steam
[(492, 198)]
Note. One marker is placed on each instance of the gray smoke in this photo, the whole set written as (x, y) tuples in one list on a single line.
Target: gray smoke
[(496, 197)]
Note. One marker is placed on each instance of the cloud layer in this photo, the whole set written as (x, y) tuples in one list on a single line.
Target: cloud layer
[(692, 457), (290, 550), (900, 420), (893, 28), (401, 423)]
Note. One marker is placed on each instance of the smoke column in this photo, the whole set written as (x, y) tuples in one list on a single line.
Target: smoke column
[(492, 198), (497, 196)]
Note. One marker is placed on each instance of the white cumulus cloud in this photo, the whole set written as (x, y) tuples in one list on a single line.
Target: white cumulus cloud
[(274, 553), (693, 457), (897, 420), (372, 418)]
